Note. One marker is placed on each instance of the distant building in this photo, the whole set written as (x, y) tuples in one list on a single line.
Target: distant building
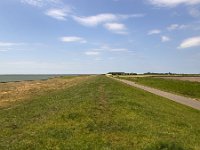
[(120, 73), (116, 73)]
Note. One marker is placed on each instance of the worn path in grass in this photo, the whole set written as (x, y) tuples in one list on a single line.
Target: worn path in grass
[(179, 99)]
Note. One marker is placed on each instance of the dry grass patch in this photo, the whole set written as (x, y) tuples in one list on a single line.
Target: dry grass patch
[(12, 92)]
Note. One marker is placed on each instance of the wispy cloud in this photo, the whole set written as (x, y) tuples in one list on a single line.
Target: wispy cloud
[(107, 48), (155, 31), (109, 21), (117, 28), (3, 50), (40, 3), (92, 53), (190, 42), (176, 27), (165, 38), (173, 3), (118, 50), (139, 15), (69, 39), (59, 14), (103, 18), (194, 12), (95, 20), (10, 44), (37, 3)]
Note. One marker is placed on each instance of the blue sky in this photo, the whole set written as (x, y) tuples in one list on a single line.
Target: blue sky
[(98, 36)]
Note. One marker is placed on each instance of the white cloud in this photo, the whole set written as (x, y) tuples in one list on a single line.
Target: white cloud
[(118, 49), (130, 16), (155, 31), (190, 42), (173, 27), (103, 18), (59, 14), (115, 26), (6, 44), (110, 49), (108, 21), (9, 44), (104, 49), (37, 3), (173, 3), (68, 39), (92, 53), (118, 28), (95, 20), (194, 12), (165, 38), (176, 27)]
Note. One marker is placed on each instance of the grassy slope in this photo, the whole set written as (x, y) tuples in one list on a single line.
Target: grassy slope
[(99, 114), (13, 92), (186, 88)]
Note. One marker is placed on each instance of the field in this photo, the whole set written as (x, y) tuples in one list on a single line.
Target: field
[(194, 79), (97, 113), (185, 88)]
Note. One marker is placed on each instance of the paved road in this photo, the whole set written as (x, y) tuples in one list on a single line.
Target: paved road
[(179, 99)]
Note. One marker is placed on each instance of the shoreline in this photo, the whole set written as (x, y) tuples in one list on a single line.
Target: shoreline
[(28, 77)]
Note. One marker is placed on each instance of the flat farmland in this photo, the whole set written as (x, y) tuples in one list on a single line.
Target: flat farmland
[(193, 79)]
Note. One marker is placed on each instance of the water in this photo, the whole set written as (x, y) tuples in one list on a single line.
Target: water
[(12, 78)]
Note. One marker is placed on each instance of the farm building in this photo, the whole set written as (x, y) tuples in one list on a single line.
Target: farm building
[(121, 73)]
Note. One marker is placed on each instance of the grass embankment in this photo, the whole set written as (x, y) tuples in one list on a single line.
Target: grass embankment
[(185, 88), (14, 92), (99, 113)]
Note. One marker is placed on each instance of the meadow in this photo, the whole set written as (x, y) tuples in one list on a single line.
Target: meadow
[(98, 113), (185, 88)]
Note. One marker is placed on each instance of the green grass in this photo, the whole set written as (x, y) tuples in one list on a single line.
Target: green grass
[(185, 88), (72, 76), (100, 114)]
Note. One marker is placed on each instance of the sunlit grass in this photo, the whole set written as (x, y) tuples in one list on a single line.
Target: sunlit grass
[(99, 113)]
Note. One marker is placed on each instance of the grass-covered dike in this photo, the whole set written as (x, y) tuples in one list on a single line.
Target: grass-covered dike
[(99, 113)]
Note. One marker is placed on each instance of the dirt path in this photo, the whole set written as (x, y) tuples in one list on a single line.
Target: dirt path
[(179, 99)]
